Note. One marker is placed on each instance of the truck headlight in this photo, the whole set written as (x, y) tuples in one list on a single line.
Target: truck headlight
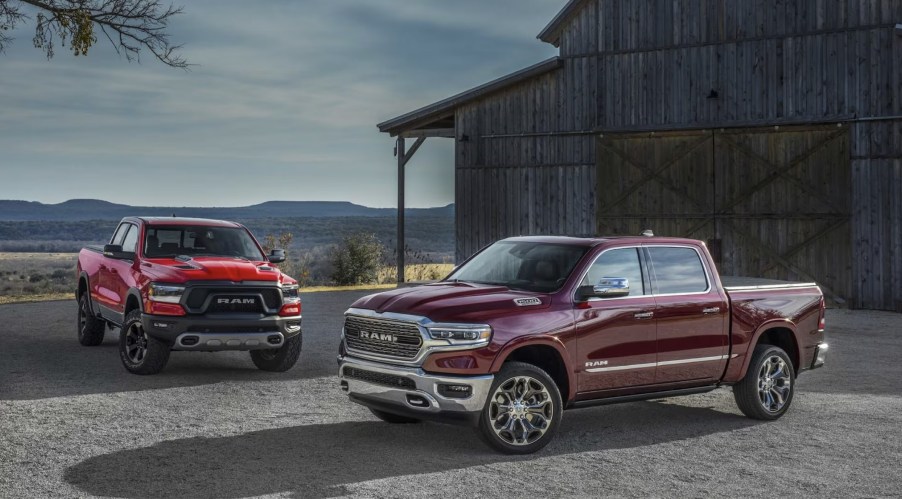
[(165, 293), (461, 334), (291, 301)]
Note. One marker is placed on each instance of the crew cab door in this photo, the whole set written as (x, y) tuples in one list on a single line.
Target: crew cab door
[(616, 345), (102, 292), (115, 273), (691, 315)]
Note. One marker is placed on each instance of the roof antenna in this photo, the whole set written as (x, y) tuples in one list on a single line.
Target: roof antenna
[(648, 233), (173, 215)]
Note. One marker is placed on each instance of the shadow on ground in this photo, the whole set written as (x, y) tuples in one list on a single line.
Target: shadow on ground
[(40, 356), (320, 460)]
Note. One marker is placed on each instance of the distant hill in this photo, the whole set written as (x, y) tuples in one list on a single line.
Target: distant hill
[(94, 209)]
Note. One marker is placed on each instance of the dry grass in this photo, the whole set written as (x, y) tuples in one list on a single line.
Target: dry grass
[(28, 274), (415, 272), (30, 277), (40, 297)]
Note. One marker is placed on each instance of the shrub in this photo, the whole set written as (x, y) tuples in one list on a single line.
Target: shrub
[(357, 259)]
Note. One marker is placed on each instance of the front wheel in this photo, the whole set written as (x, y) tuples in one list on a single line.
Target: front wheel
[(523, 411), (278, 359), (767, 388), (140, 353)]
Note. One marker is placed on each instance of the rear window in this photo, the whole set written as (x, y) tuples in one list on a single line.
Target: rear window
[(677, 270)]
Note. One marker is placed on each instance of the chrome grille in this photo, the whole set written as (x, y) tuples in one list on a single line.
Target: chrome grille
[(405, 339)]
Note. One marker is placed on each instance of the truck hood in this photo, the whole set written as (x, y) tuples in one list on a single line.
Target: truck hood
[(212, 269), (443, 302)]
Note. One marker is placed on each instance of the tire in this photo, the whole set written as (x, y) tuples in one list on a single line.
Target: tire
[(768, 386), (537, 403), (90, 328), (393, 418), (280, 359), (140, 353)]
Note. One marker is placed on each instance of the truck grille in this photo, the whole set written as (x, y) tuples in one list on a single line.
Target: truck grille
[(383, 337), (379, 378), (197, 297)]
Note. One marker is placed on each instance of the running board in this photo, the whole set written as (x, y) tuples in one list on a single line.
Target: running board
[(641, 396)]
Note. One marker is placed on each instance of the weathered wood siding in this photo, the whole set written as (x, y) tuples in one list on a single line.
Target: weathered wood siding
[(513, 177), (641, 65)]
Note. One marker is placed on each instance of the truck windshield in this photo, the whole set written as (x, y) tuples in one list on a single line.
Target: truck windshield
[(168, 242), (530, 266)]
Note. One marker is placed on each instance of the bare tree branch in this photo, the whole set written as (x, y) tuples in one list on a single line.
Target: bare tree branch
[(129, 25)]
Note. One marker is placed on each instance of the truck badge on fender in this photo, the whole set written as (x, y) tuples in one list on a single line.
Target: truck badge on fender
[(525, 302), (597, 363)]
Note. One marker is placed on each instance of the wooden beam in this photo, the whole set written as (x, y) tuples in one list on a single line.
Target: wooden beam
[(413, 149), (403, 157), (400, 153), (447, 133)]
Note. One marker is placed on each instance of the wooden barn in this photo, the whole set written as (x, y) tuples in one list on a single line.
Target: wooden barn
[(772, 129)]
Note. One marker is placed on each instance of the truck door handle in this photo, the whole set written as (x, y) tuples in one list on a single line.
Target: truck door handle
[(711, 310), (644, 315)]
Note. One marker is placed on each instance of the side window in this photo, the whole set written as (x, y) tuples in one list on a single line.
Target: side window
[(617, 263), (130, 243), (677, 270), (119, 235)]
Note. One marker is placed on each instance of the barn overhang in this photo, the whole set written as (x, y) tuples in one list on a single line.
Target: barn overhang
[(552, 32), (438, 120)]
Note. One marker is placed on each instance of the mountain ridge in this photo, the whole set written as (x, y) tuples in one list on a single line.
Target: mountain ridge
[(96, 209)]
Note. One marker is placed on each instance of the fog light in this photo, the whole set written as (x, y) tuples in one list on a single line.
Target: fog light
[(455, 391)]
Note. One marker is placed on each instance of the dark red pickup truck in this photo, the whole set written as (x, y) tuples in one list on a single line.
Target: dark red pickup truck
[(188, 284), (531, 326)]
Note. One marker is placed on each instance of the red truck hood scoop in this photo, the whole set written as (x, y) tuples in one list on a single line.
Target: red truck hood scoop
[(214, 269), (443, 300)]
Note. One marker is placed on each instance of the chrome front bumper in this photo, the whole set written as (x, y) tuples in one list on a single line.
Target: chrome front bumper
[(420, 398)]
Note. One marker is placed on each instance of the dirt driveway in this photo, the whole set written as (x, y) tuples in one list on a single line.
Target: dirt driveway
[(74, 423)]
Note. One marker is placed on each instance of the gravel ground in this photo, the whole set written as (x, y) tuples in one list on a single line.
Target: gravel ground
[(73, 422)]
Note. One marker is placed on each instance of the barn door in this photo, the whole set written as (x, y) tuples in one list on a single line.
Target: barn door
[(770, 202), (661, 181), (783, 201)]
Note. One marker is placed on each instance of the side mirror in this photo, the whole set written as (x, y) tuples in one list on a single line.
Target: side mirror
[(115, 251), (607, 287), (277, 256)]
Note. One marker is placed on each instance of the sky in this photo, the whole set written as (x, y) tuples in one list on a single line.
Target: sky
[(282, 103)]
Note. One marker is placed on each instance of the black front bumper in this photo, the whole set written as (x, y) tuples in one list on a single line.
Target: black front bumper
[(217, 332)]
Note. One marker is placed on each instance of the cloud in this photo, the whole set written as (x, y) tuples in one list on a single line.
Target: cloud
[(282, 105)]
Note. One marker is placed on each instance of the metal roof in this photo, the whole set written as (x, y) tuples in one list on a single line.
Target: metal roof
[(551, 33), (445, 108)]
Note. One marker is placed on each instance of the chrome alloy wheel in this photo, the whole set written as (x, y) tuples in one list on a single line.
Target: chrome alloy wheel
[(136, 343), (774, 384), (521, 410)]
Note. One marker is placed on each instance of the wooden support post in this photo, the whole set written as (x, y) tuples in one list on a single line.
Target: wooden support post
[(403, 157), (402, 161)]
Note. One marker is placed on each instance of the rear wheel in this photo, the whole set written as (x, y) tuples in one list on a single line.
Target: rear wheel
[(393, 418), (278, 359), (90, 328), (140, 353), (766, 390), (523, 410)]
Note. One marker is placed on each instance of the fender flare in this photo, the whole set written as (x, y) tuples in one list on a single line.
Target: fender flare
[(137, 294), (763, 328), (541, 340), (83, 276)]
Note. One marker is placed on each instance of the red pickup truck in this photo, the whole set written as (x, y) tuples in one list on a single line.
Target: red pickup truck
[(531, 326), (188, 284)]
